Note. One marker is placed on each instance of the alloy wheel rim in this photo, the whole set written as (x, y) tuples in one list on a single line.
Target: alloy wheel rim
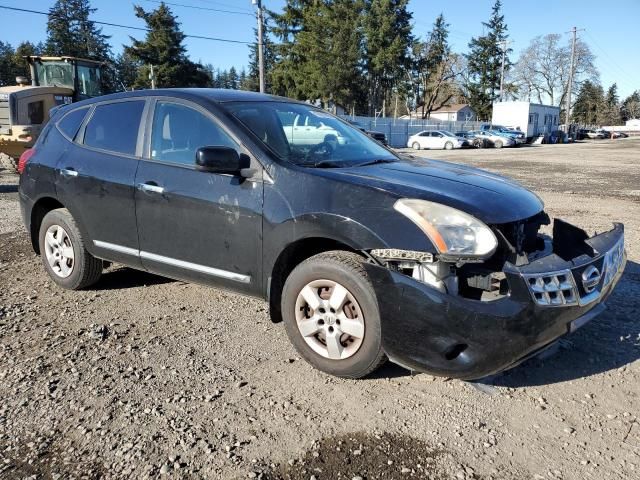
[(330, 319), (59, 251)]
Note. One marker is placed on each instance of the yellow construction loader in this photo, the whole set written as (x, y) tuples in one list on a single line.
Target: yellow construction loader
[(25, 107)]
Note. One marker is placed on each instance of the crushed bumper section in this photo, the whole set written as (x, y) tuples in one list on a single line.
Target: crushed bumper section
[(432, 331)]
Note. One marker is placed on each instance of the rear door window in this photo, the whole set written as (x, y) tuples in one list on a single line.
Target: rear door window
[(71, 122), (114, 127)]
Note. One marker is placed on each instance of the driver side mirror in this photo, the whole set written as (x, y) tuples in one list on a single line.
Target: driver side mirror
[(218, 159)]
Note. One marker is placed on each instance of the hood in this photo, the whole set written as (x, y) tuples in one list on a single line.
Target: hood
[(491, 198)]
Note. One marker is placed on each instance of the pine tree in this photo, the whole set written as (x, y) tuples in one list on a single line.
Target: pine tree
[(252, 81), (233, 78), (6, 64), (285, 27), (484, 63), (387, 37), (434, 69), (164, 49), (330, 49), (71, 32), (126, 71), (13, 63), (630, 107), (589, 105)]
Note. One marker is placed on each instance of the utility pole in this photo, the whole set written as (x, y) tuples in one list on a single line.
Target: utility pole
[(573, 31), (504, 44), (258, 4), (152, 77)]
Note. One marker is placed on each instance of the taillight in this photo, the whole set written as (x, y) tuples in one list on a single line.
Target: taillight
[(24, 158)]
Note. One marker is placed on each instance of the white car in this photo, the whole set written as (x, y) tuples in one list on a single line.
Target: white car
[(310, 130), (433, 139)]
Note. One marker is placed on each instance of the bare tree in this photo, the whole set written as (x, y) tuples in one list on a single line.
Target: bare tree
[(542, 70)]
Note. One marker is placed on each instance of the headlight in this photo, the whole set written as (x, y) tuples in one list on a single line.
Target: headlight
[(452, 231)]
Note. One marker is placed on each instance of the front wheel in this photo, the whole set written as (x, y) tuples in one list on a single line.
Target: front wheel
[(64, 255), (448, 146), (331, 315), (497, 144)]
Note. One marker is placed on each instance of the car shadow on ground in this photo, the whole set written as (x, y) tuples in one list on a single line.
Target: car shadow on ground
[(610, 341), (119, 278)]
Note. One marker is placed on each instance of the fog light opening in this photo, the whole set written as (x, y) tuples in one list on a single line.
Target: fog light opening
[(455, 350)]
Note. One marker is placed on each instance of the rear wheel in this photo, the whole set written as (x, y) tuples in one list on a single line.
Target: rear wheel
[(8, 162), (415, 146), (331, 315), (64, 256), (448, 146)]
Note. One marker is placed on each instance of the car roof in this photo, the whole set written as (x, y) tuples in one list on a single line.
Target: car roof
[(216, 95)]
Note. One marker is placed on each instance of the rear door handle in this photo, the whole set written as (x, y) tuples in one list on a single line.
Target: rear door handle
[(150, 187), (68, 172)]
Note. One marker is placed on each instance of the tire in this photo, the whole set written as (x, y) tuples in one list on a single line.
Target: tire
[(72, 269), (448, 146), (362, 353), (497, 144), (9, 163), (477, 143), (415, 146)]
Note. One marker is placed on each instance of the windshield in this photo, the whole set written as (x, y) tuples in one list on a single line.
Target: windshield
[(307, 136), (55, 74), (89, 81), (448, 134)]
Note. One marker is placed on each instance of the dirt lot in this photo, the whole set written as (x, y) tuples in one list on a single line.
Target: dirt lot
[(143, 376)]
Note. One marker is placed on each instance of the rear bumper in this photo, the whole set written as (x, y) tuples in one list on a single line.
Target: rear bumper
[(431, 331)]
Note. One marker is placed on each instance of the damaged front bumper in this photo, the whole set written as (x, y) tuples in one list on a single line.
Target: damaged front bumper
[(430, 330)]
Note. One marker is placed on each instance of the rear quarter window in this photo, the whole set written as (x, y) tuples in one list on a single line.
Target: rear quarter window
[(70, 123), (114, 127)]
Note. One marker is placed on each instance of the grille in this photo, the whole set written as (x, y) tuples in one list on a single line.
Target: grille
[(557, 288), (5, 121)]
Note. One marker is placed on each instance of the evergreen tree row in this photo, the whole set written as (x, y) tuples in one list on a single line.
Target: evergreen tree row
[(360, 55)]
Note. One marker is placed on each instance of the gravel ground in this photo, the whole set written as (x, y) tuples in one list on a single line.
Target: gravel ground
[(143, 376)]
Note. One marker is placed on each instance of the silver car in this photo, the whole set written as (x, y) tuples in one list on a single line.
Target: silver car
[(486, 138)]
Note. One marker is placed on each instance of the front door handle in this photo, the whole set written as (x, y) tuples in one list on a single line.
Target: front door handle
[(150, 187), (68, 172)]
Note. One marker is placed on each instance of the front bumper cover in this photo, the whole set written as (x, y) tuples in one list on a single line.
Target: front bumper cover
[(427, 330)]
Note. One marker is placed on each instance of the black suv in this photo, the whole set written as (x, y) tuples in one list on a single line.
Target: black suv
[(365, 255)]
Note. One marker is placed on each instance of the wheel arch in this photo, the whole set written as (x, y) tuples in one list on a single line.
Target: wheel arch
[(40, 208), (291, 256)]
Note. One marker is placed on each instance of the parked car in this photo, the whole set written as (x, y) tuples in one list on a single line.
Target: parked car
[(364, 254), (435, 139), (472, 140), (378, 136), (591, 134), (609, 133), (517, 135), (489, 138), (308, 130)]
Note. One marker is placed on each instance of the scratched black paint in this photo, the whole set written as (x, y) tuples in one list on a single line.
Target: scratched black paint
[(242, 225)]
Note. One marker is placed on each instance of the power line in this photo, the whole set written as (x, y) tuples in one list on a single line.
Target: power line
[(223, 4), (196, 7), (612, 62), (109, 24)]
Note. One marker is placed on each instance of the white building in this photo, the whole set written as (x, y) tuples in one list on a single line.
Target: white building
[(532, 118), (460, 112)]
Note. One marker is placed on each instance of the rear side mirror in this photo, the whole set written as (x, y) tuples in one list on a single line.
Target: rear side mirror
[(217, 159)]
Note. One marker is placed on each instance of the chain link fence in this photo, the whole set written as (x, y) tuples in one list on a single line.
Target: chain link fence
[(398, 130)]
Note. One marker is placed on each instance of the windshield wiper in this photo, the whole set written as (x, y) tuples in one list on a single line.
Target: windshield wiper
[(324, 164), (374, 162)]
